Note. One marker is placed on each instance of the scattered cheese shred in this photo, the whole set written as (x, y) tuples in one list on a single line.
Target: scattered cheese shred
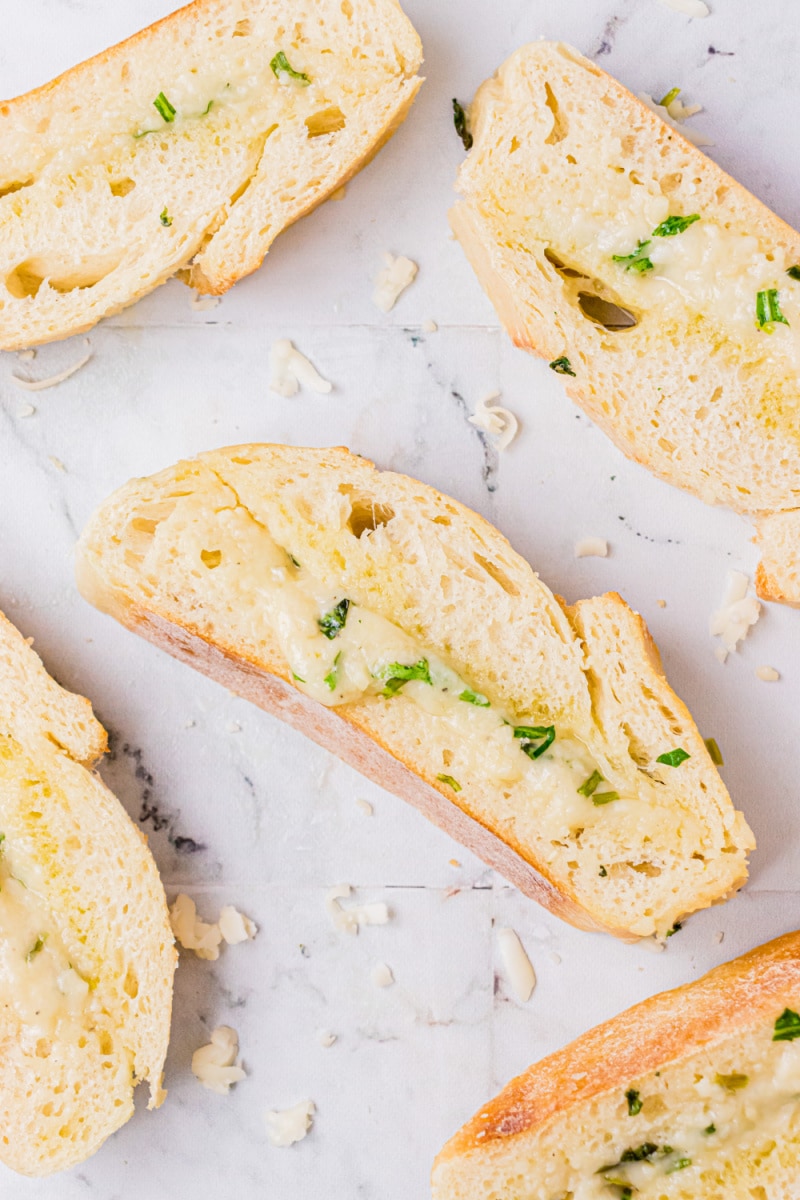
[(291, 1125), (429, 326), (27, 410), (768, 674), (350, 920), (199, 303), (215, 1065), (516, 964), (689, 8), (591, 547), (381, 975), (365, 807), (38, 385), (666, 114), (234, 926), (289, 369), (499, 422), (339, 194), (192, 933), (398, 274), (739, 612), (26, 355), (326, 1038)]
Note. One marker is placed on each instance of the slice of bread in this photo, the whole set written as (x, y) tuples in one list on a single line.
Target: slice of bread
[(692, 1095), (189, 147), (665, 350), (401, 631), (86, 950)]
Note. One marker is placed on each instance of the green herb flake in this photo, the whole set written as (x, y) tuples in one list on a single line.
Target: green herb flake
[(604, 798), (37, 946), (299, 678), (332, 678), (333, 622), (787, 1026), (283, 70), (673, 225), (470, 697), (591, 784), (671, 95), (714, 752), (207, 109), (165, 218), (768, 310), (634, 1102), (794, 273), (562, 366), (732, 1083), (529, 735), (448, 779), (2, 847), (680, 1164), (602, 872), (164, 108), (637, 261), (397, 674), (676, 928), (673, 758), (709, 1129), (460, 122)]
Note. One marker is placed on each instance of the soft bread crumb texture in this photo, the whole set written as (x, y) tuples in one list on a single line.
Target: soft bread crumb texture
[(97, 895), (568, 169), (103, 195), (184, 556), (694, 1071)]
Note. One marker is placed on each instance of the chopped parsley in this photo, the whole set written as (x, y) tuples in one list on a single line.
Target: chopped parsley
[(591, 784), (638, 261), (36, 947), (641, 1153), (474, 698), (333, 622), (709, 1129), (673, 758), (332, 678), (680, 1164), (676, 928), (165, 218), (530, 735), (673, 225), (562, 366), (793, 272), (164, 108), (634, 1102), (397, 674), (299, 678), (282, 67), (671, 95), (460, 122), (732, 1083), (768, 310), (787, 1026), (448, 779), (714, 752), (2, 847), (207, 109), (604, 798), (602, 872)]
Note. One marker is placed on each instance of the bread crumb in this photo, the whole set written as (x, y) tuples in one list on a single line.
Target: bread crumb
[(429, 326), (392, 281), (499, 422), (339, 194), (235, 927), (326, 1038), (517, 965), (768, 674), (350, 920), (58, 464), (381, 975), (289, 369), (365, 807), (38, 385), (291, 1125), (215, 1065), (692, 135), (591, 547), (689, 8), (453, 862), (661, 603), (199, 303), (27, 410), (719, 937), (739, 612)]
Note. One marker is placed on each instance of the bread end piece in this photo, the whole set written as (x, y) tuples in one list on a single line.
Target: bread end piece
[(778, 573)]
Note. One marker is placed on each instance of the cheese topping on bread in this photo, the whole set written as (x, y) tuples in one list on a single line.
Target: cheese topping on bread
[(425, 641)]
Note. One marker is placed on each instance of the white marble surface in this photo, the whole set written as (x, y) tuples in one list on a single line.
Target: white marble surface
[(241, 809)]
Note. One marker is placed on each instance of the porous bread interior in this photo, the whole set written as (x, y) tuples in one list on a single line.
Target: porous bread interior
[(549, 1133), (562, 150), (61, 1097), (453, 582), (82, 197)]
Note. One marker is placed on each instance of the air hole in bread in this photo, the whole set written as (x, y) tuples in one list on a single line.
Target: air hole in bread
[(243, 462), (144, 525), (560, 127), (43, 1048), (645, 868), (366, 515), (105, 1042), (24, 282), (242, 28), (211, 558), (121, 187), (447, 758), (514, 147), (17, 186), (671, 183), (327, 120), (441, 521), (561, 267), (604, 312), (497, 574), (26, 279)]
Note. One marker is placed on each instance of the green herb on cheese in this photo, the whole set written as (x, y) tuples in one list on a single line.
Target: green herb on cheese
[(281, 67), (637, 261), (714, 752), (299, 678), (165, 218), (673, 758), (396, 675), (671, 95), (591, 784), (673, 225), (680, 1164), (37, 946), (165, 109), (475, 698), (602, 872), (535, 739), (768, 310), (793, 272), (676, 928), (634, 1102), (207, 109), (332, 678), (448, 779), (787, 1026), (562, 366), (604, 798), (732, 1083), (709, 1129), (2, 847), (460, 122), (333, 622)]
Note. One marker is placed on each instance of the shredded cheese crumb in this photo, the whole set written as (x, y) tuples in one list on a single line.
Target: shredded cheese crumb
[(58, 464), (516, 964), (26, 355), (661, 603), (27, 410), (398, 274), (499, 422), (289, 369), (326, 1038), (235, 927), (689, 8), (691, 135), (291, 1125), (381, 975), (591, 547), (38, 385), (365, 807), (429, 326), (200, 303), (739, 612), (215, 1065), (350, 920), (339, 194), (768, 674), (192, 933)]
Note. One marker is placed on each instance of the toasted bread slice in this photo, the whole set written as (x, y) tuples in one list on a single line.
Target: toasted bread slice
[(189, 147), (692, 1095), (401, 631), (671, 350), (86, 951)]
